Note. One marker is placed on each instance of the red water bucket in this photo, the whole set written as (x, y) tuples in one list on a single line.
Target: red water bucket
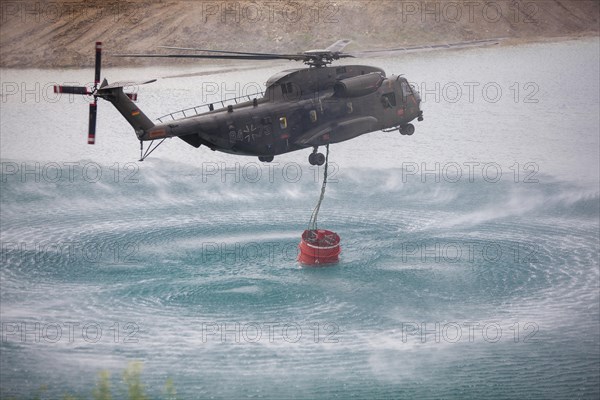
[(319, 247)]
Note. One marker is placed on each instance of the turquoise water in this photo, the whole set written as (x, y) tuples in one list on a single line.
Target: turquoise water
[(470, 286)]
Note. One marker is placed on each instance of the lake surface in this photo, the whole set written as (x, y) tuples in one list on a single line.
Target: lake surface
[(470, 250)]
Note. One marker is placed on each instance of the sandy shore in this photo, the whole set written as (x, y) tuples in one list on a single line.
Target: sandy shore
[(46, 34)]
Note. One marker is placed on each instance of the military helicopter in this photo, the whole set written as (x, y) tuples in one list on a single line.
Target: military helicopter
[(300, 108)]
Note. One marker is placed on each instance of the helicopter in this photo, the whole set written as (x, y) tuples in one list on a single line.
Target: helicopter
[(300, 108)]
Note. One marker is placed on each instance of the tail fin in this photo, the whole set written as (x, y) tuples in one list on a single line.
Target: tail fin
[(124, 104)]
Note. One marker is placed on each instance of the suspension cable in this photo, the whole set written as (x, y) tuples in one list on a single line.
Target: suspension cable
[(312, 225)]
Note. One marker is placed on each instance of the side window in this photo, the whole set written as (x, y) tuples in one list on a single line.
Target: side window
[(283, 122), (388, 100), (287, 88)]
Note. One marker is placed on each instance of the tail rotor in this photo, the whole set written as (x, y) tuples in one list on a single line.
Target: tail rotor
[(113, 93), (83, 90)]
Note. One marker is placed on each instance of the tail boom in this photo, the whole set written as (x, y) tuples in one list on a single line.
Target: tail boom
[(128, 109)]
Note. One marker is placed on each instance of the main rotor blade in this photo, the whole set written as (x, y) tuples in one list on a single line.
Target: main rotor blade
[(339, 45), (299, 57), (221, 51), (334, 48), (457, 45)]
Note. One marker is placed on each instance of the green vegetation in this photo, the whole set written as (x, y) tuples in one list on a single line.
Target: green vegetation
[(131, 387), (102, 389), (131, 378)]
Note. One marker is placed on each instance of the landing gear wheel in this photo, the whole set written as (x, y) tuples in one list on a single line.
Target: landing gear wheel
[(320, 158), (265, 158), (316, 159), (408, 129)]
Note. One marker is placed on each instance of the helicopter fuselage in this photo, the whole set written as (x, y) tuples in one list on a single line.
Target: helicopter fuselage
[(301, 108)]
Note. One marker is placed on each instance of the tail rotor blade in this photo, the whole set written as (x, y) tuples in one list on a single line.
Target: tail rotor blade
[(98, 63), (94, 106), (92, 125), (71, 89)]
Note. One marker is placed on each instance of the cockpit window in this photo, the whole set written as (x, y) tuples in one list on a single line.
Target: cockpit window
[(388, 100), (404, 86), (406, 91)]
